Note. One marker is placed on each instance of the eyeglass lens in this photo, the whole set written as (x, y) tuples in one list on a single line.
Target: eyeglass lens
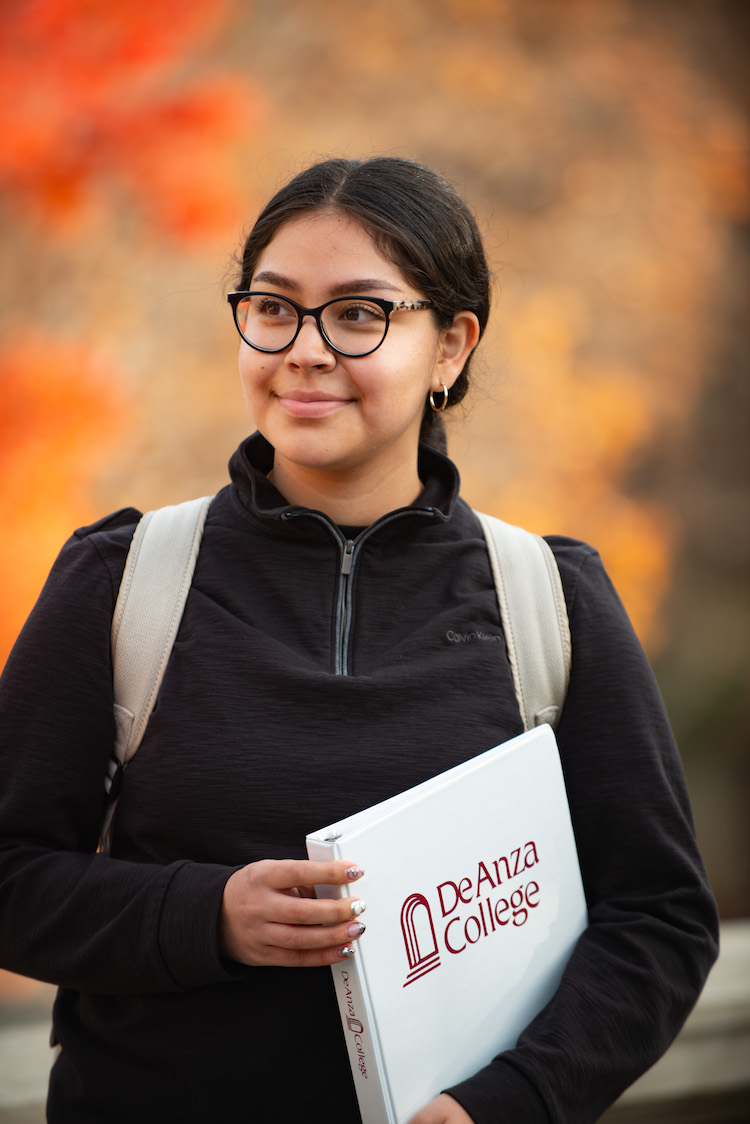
[(352, 325)]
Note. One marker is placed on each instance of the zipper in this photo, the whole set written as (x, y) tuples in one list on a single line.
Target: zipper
[(349, 551), (344, 608)]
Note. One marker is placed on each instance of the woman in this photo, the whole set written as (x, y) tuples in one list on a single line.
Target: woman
[(312, 677)]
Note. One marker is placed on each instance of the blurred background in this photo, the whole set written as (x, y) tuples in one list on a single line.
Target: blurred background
[(603, 146)]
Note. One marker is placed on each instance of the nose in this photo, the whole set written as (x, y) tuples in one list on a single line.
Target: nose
[(309, 348)]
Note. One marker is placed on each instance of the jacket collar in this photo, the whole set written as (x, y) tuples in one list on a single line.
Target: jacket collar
[(253, 460)]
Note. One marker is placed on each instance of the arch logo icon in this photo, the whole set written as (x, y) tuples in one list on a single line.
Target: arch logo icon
[(418, 931)]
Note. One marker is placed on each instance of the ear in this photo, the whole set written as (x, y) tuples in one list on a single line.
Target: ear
[(455, 347)]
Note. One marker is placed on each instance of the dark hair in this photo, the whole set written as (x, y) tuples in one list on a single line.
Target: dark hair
[(417, 221)]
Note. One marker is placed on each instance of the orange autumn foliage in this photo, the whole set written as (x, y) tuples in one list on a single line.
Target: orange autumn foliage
[(92, 95), (59, 417), (605, 169), (100, 116)]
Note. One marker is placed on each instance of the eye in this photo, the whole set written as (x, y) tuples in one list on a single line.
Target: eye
[(359, 312), (273, 308)]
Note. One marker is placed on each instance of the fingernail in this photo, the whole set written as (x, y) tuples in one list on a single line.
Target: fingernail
[(357, 907), (356, 930), (354, 872), (346, 952)]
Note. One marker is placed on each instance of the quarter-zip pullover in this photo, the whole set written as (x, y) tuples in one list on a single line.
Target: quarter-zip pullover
[(318, 671)]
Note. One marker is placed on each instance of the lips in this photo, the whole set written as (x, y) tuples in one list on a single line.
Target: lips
[(311, 404)]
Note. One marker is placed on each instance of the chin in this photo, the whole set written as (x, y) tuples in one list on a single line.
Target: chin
[(315, 455)]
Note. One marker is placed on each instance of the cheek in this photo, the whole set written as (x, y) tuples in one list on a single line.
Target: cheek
[(407, 373), (395, 401), (252, 370), (251, 382), (411, 380)]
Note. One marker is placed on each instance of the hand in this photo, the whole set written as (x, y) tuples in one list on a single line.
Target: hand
[(270, 916), (443, 1110)]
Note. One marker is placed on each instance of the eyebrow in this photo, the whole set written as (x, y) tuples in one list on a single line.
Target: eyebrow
[(346, 288)]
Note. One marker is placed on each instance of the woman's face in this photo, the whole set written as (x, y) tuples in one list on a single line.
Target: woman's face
[(325, 411)]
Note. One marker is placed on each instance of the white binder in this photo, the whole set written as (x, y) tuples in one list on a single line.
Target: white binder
[(474, 905)]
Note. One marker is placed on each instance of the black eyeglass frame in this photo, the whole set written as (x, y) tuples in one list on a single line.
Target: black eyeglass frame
[(387, 306)]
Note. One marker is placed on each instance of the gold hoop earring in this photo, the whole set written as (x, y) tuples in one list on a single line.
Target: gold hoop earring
[(431, 398)]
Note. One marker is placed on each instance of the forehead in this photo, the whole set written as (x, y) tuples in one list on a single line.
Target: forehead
[(325, 247)]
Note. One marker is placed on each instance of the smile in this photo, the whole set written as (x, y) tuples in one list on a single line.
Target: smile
[(301, 404)]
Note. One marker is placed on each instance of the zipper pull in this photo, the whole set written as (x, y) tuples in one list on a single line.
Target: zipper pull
[(347, 557)]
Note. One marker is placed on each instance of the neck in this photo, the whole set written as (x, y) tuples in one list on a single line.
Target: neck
[(353, 499)]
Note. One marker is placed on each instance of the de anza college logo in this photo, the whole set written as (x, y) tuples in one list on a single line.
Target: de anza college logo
[(490, 908)]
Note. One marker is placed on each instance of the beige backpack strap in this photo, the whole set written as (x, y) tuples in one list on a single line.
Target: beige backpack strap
[(151, 601), (534, 618)]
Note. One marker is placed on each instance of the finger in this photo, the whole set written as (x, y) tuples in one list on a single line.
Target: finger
[(287, 910), (309, 937), (285, 874), (443, 1110), (306, 958)]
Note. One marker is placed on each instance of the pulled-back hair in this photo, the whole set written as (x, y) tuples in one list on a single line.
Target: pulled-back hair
[(416, 220)]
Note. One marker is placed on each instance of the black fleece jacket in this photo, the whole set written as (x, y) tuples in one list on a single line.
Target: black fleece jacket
[(295, 696)]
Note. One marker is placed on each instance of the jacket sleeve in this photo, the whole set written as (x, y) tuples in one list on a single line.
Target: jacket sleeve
[(639, 967), (68, 915)]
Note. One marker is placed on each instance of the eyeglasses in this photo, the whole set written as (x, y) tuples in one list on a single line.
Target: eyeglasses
[(352, 326)]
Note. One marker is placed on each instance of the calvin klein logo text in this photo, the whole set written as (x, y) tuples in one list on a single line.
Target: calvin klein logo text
[(467, 637), (490, 910)]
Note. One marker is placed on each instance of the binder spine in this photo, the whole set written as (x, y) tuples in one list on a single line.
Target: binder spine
[(361, 1045), (357, 1021)]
